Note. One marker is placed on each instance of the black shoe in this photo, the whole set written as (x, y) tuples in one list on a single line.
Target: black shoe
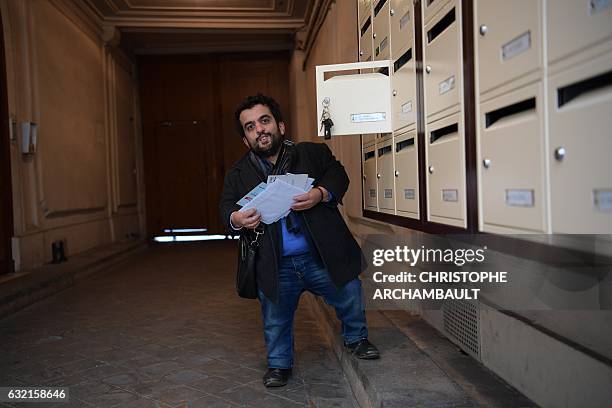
[(363, 349), (276, 377)]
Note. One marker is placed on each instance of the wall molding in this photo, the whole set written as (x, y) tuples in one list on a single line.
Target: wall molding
[(82, 17), (317, 18)]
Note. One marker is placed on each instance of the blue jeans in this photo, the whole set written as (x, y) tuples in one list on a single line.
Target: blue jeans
[(297, 274)]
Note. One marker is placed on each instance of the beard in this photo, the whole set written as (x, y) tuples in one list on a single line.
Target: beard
[(271, 149)]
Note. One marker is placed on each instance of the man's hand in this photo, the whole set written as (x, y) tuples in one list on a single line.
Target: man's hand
[(307, 200), (247, 219)]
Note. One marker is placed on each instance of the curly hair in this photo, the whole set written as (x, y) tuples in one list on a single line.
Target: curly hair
[(259, 99)]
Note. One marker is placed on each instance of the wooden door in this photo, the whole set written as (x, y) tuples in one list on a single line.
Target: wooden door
[(6, 200), (185, 163), (181, 175)]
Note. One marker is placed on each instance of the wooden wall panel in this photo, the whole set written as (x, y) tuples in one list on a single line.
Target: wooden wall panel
[(126, 143), (70, 86)]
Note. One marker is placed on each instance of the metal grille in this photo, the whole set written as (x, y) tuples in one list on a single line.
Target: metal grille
[(462, 324)]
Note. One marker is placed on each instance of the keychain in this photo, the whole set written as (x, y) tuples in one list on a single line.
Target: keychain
[(326, 121)]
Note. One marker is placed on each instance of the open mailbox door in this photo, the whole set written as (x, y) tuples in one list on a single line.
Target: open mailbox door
[(356, 103)]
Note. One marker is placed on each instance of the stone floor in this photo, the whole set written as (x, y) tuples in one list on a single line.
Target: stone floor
[(163, 330)]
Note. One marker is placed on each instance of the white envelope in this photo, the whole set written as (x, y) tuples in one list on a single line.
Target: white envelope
[(275, 201)]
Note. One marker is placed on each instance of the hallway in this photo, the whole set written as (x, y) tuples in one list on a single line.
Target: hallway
[(163, 329)]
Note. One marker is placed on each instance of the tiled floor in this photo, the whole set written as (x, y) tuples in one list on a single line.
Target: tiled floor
[(163, 329)]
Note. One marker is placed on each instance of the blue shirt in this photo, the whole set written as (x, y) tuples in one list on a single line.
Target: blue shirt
[(293, 243)]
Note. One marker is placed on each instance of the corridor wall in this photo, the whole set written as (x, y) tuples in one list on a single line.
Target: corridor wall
[(79, 185)]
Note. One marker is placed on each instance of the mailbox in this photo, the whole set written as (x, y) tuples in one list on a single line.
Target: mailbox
[(442, 60), (580, 118), (512, 162), (403, 83), (369, 178), (509, 40), (446, 171), (402, 26), (406, 174), (382, 39), (357, 103), (384, 168)]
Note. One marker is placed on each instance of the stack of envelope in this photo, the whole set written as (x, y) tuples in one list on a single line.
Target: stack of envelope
[(273, 200)]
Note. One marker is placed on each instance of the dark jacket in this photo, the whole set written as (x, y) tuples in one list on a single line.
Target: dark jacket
[(334, 242)]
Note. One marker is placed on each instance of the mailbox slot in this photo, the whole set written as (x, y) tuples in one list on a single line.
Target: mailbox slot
[(406, 175), (386, 194)]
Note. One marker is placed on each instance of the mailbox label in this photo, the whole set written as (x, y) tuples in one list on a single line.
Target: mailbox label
[(409, 194), (517, 46), (368, 117), (404, 20), (450, 195), (603, 199), (520, 198), (446, 85)]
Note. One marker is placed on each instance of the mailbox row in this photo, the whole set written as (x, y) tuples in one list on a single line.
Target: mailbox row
[(543, 111), (544, 99), (387, 32)]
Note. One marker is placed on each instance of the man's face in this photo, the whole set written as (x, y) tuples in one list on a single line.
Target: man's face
[(262, 134)]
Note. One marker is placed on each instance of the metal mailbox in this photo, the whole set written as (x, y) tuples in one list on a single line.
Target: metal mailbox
[(446, 171), (406, 174), (382, 39), (402, 26), (357, 103), (442, 60), (384, 168), (512, 161), (369, 178), (509, 40), (580, 119)]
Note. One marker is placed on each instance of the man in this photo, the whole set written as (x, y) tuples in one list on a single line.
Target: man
[(310, 249)]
